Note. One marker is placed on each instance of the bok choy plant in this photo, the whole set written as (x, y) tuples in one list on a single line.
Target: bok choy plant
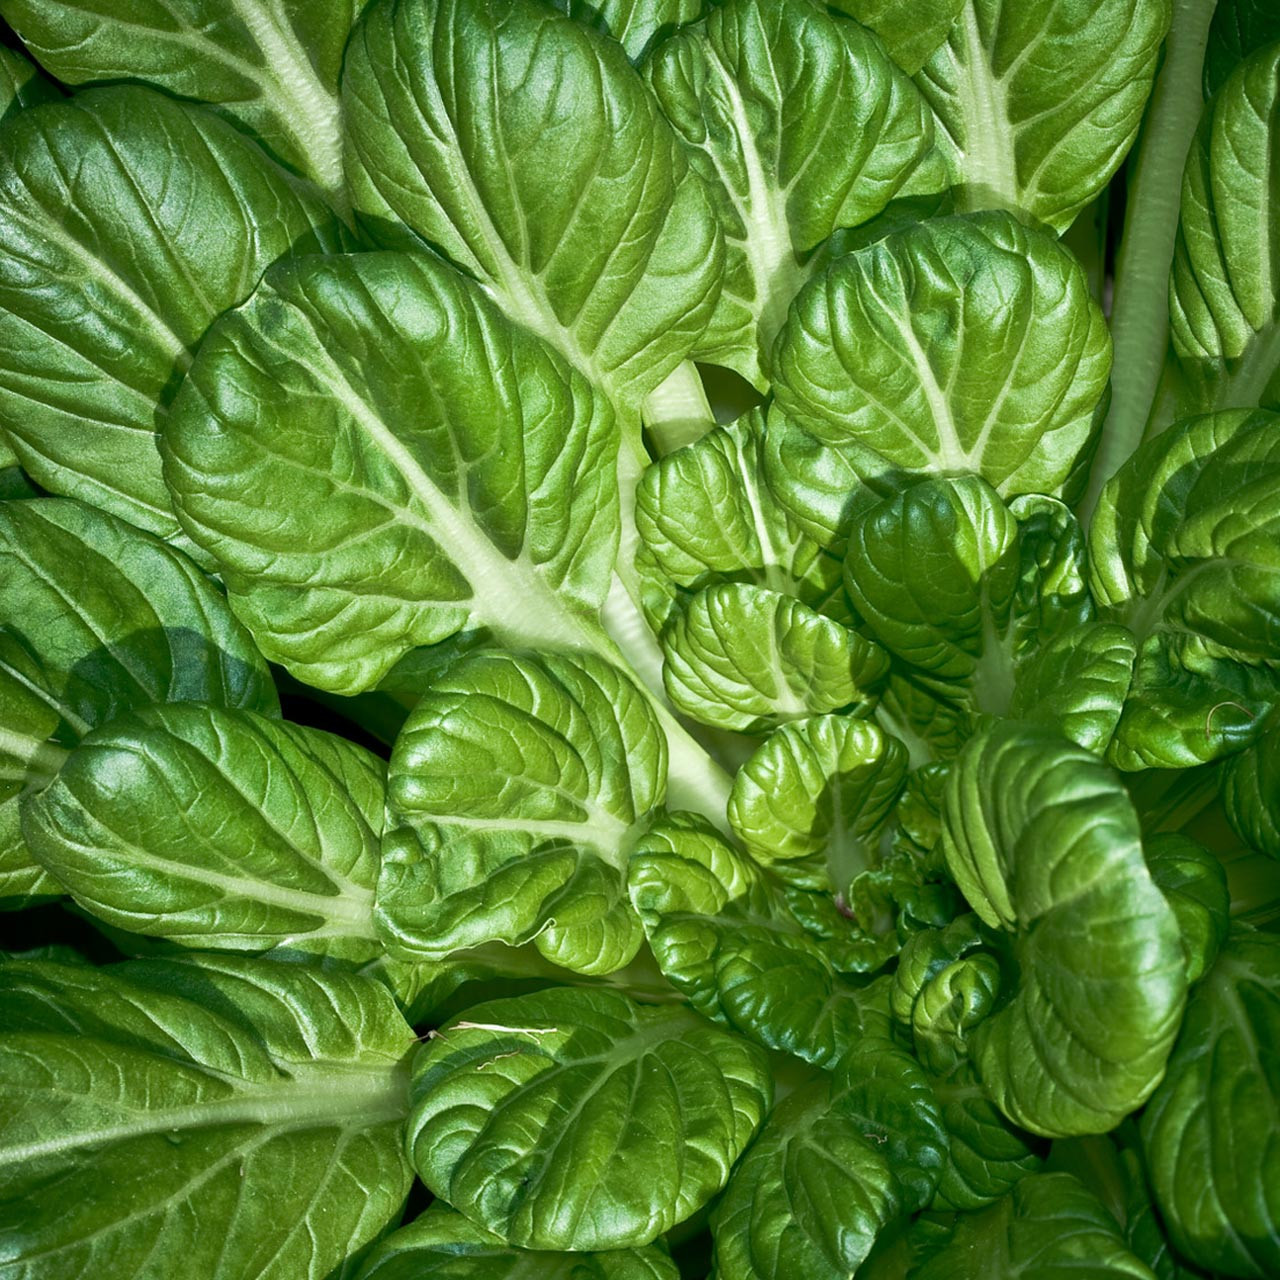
[(639, 639)]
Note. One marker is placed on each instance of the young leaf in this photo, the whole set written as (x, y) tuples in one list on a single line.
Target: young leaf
[(1044, 843), (957, 345), (637, 25), (516, 791), (1209, 1131), (219, 829), (243, 1116), (444, 469), (270, 65), (801, 125), (1195, 884), (646, 1108), (1038, 104), (142, 219)]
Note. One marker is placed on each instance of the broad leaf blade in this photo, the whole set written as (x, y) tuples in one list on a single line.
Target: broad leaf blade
[(637, 25), (911, 29)]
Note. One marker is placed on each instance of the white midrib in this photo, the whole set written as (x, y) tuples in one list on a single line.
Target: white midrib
[(990, 163), (313, 1096), (287, 64), (42, 757)]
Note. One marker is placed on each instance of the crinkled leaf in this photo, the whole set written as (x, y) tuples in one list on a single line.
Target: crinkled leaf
[(800, 124), (1209, 1131), (270, 65), (911, 29), (1050, 1226), (241, 1115), (637, 25), (576, 1119), (1183, 550), (443, 1245), (128, 221), (102, 618), (530, 152), (931, 728), (1042, 839), (1195, 884), (220, 829), (724, 935), (516, 791), (966, 344), (1037, 105), (1224, 295), (444, 469), (747, 658), (812, 798), (834, 1164)]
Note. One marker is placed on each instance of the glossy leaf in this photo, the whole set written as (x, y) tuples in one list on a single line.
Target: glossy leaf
[(637, 25), (457, 113), (1251, 792), (128, 221), (219, 829), (516, 791), (647, 1110), (810, 801), (957, 345), (21, 84), (911, 29), (800, 125), (445, 469), (241, 1115), (1195, 884), (1209, 1131), (1037, 105), (1238, 28), (1044, 843), (1224, 295)]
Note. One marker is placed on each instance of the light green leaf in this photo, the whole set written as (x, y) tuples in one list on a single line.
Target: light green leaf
[(747, 658), (637, 25), (1037, 105), (1224, 295), (1044, 843), (443, 1245), (1183, 551), (705, 515), (834, 1164), (444, 469), (128, 221), (457, 113), (1049, 1226), (967, 344), (1209, 1131), (800, 125), (103, 619), (645, 1108), (243, 1116), (516, 790), (911, 29), (219, 829), (271, 65), (811, 800), (1195, 884), (722, 931)]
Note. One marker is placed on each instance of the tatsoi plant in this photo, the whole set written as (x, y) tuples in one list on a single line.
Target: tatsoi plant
[(765, 521)]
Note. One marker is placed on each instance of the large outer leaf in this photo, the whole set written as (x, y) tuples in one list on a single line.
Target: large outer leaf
[(218, 829), (834, 1164), (801, 125), (1050, 1227), (441, 469), (575, 1119), (1224, 295), (1211, 1131), (1043, 841), (911, 29), (1038, 104), (233, 1119), (443, 1245), (1184, 551), (530, 152), (128, 221), (957, 345), (269, 64), (101, 619), (517, 788)]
